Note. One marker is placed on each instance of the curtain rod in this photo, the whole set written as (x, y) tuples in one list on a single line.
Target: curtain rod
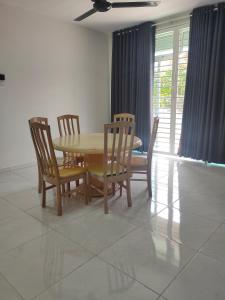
[(177, 19), (189, 15), (172, 20)]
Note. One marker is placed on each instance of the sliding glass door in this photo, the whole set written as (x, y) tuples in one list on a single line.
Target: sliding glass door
[(169, 85)]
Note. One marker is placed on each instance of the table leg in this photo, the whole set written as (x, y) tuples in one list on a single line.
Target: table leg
[(93, 160)]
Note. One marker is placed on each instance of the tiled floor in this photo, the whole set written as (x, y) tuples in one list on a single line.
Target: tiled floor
[(172, 248)]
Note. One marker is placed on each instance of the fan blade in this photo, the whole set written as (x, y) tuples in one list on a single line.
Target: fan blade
[(87, 14), (134, 4)]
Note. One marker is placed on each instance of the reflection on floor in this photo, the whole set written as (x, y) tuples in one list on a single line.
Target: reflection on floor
[(172, 247)]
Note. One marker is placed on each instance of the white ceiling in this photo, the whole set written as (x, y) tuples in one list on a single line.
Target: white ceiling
[(112, 20)]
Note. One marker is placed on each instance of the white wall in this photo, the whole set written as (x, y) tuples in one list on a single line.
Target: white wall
[(51, 68)]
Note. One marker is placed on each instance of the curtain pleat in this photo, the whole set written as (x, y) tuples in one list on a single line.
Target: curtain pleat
[(132, 75), (203, 123)]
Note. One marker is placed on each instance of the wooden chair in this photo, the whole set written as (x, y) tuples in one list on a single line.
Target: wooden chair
[(70, 125), (124, 117), (51, 173), (60, 161), (143, 164), (118, 146), (44, 121)]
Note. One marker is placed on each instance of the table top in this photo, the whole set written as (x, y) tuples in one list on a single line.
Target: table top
[(87, 143)]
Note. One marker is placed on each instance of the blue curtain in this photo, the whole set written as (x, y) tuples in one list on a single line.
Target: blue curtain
[(203, 125), (132, 76)]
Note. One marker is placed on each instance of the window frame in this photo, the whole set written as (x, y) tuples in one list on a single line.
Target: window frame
[(175, 27)]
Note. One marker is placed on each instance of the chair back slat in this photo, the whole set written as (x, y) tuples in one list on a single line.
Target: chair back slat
[(41, 136), (153, 137), (118, 145), (124, 117), (68, 125)]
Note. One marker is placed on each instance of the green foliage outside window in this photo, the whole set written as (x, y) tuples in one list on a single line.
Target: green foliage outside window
[(163, 86)]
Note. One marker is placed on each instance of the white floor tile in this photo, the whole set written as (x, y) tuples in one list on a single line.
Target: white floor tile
[(10, 183), (141, 211), (7, 210), (96, 231), (97, 280), (186, 228), (7, 292), (165, 194), (148, 257), (72, 209), (215, 246), (15, 231), (24, 200), (29, 173), (203, 279), (36, 265), (152, 242), (207, 206)]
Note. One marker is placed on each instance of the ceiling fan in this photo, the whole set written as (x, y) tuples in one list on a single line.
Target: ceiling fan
[(104, 6)]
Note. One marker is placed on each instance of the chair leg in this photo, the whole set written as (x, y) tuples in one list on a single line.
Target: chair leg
[(121, 189), (88, 182), (77, 182), (68, 188), (129, 201), (149, 183), (59, 201), (63, 188), (106, 209), (43, 185), (113, 188), (86, 190), (39, 181)]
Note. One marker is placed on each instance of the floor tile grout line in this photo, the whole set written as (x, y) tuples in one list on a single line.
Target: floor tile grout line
[(49, 229), (93, 255), (23, 244), (209, 256), (53, 226), (123, 272), (198, 252), (184, 266), (11, 285), (180, 271), (74, 242), (14, 205), (203, 244), (197, 214), (144, 223), (63, 277), (24, 177), (105, 248)]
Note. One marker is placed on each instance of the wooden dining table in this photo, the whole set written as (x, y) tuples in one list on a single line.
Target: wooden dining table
[(90, 146)]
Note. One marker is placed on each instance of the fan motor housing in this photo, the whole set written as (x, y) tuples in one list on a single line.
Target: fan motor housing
[(101, 5)]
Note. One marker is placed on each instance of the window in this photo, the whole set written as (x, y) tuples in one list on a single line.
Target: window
[(169, 85)]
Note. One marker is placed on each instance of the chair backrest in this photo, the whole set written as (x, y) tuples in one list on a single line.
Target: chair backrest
[(41, 136), (153, 138), (124, 117), (68, 124), (118, 145), (40, 120)]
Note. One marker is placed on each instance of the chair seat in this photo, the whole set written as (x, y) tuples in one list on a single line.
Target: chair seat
[(139, 162), (98, 170), (70, 172)]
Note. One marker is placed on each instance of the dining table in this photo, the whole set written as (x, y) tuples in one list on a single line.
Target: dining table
[(90, 146)]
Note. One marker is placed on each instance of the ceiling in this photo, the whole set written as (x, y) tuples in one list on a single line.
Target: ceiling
[(112, 20)]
